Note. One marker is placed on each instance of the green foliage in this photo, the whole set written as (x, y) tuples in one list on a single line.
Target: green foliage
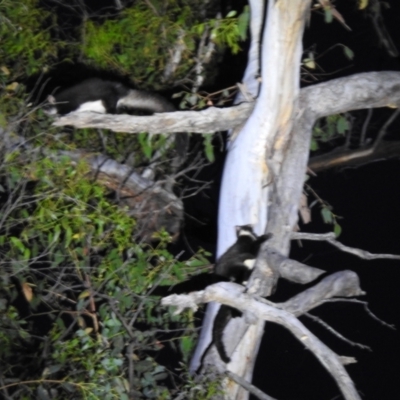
[(84, 324), (26, 48), (229, 31), (328, 15), (348, 52), (78, 318), (243, 23), (329, 128), (150, 143), (330, 218), (130, 42), (26, 45), (138, 42), (139, 38), (208, 147)]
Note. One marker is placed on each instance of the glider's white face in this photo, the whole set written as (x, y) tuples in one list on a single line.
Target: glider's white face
[(95, 106), (244, 232)]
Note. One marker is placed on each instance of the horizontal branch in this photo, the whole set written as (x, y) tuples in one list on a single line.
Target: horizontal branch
[(345, 157), (339, 284), (206, 121), (232, 294), (248, 386), (367, 90), (331, 238), (355, 92)]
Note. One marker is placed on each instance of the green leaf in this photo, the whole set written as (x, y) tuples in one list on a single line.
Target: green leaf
[(342, 125), (326, 215), (18, 244), (337, 229), (197, 262), (186, 346), (52, 369), (57, 232), (145, 144), (68, 236), (309, 63), (348, 52), (208, 147), (314, 145), (68, 387), (328, 15), (243, 23), (161, 376), (27, 254)]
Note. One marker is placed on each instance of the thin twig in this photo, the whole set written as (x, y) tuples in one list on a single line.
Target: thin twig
[(382, 131), (330, 237), (335, 332), (365, 127), (248, 386), (368, 311)]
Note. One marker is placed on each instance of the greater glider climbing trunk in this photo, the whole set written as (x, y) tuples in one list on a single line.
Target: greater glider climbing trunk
[(264, 170)]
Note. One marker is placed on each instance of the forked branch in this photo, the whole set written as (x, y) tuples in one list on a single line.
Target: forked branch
[(344, 284)]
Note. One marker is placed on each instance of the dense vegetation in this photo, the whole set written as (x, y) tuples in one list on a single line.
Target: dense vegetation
[(77, 314)]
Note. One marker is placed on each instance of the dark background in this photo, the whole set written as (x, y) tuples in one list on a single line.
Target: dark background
[(368, 199)]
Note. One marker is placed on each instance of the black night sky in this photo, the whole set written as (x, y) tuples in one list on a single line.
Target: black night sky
[(367, 198)]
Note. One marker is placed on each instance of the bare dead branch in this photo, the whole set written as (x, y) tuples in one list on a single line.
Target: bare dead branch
[(347, 360), (336, 333), (355, 92), (383, 130), (210, 120), (176, 56), (248, 386), (343, 157), (375, 13), (232, 294), (331, 238), (366, 90), (364, 127), (293, 270), (367, 310), (339, 284)]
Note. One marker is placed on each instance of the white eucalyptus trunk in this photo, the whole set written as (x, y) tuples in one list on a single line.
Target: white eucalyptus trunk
[(252, 176)]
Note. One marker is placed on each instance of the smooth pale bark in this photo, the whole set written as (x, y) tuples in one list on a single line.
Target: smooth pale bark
[(256, 157), (251, 79), (251, 86), (359, 91), (340, 284)]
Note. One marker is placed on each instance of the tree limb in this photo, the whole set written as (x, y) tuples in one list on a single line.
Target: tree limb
[(210, 120), (340, 284), (331, 238), (366, 90), (248, 386), (355, 92)]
